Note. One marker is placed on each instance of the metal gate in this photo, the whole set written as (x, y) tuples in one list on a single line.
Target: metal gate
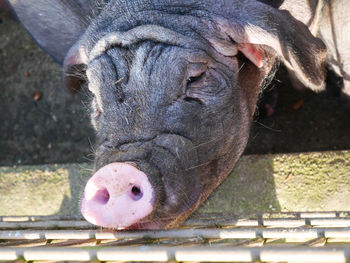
[(302, 236)]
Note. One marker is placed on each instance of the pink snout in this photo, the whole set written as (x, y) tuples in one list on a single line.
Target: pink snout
[(117, 196)]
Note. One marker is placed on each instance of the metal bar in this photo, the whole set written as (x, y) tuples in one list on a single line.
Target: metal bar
[(198, 217), (318, 214), (283, 222), (279, 222), (330, 222), (39, 218), (45, 225), (324, 237), (70, 254), (198, 253), (55, 222), (73, 243), (224, 233), (24, 243), (317, 242), (262, 254)]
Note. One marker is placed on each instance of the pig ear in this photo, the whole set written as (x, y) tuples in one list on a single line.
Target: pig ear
[(74, 67), (257, 26), (55, 24)]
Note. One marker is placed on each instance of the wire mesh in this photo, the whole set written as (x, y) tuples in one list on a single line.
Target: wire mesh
[(272, 237)]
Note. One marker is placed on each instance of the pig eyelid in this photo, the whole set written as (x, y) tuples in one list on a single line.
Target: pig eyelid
[(193, 79), (195, 72)]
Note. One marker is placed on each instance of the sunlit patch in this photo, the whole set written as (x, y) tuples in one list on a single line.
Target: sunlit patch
[(89, 218), (90, 190)]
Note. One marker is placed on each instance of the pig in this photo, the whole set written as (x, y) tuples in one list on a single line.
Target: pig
[(175, 84), (329, 21)]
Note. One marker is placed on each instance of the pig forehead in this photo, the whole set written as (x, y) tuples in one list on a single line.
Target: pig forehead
[(164, 28), (148, 56), (150, 50), (150, 64), (169, 56), (157, 69), (171, 62), (192, 50)]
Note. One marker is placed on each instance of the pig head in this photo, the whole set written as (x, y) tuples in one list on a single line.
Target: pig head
[(174, 87)]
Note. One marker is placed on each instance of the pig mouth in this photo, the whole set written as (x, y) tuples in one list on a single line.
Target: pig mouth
[(144, 193)]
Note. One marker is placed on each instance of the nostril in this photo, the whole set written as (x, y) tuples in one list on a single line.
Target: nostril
[(136, 193), (117, 196), (102, 196)]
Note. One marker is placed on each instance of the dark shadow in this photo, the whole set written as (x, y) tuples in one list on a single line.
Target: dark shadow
[(274, 3), (302, 122), (78, 176)]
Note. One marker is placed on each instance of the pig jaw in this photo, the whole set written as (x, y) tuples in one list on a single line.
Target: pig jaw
[(164, 191), (159, 201)]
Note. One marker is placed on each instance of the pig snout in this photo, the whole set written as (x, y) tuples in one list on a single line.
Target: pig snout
[(117, 196)]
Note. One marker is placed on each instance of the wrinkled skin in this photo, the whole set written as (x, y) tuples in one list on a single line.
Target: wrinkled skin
[(175, 86), (169, 134), (181, 131)]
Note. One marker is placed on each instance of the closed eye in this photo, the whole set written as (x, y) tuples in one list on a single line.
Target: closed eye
[(195, 72), (193, 79)]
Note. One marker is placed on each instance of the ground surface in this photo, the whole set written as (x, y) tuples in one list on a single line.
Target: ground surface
[(259, 183), (40, 122)]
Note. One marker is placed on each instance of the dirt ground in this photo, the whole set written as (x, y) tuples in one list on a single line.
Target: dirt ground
[(41, 122)]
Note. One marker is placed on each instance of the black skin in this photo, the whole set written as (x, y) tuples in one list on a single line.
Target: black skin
[(183, 134), (175, 91)]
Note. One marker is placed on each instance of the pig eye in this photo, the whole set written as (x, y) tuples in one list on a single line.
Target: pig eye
[(193, 79), (190, 81), (195, 82), (195, 72)]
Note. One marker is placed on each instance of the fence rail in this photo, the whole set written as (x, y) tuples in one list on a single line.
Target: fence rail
[(306, 237)]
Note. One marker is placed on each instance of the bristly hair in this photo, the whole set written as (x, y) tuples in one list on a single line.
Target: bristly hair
[(268, 79)]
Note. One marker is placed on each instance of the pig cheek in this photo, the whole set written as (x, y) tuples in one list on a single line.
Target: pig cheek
[(179, 196), (172, 201)]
